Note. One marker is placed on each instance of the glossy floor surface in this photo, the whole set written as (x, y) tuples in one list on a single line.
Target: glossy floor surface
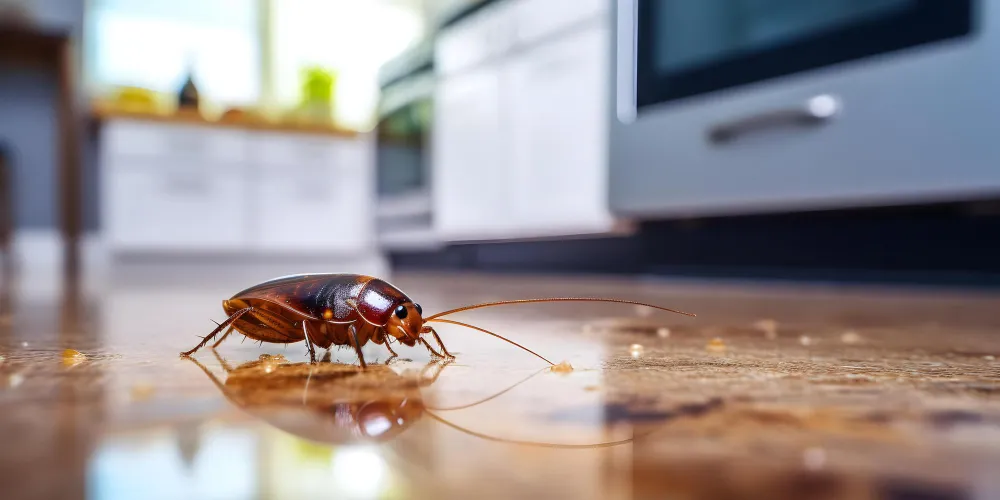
[(771, 392)]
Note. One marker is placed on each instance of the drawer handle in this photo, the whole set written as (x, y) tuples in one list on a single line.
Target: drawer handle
[(816, 111)]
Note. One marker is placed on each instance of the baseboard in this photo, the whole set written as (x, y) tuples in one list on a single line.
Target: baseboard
[(42, 249), (37, 258)]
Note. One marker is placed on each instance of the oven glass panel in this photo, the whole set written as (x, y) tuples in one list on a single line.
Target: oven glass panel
[(687, 48), (401, 155)]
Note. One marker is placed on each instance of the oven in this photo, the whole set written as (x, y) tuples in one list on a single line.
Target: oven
[(735, 106), (402, 150)]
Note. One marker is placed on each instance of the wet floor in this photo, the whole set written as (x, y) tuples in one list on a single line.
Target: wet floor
[(771, 392)]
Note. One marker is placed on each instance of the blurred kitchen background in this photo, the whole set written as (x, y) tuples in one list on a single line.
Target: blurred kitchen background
[(845, 140)]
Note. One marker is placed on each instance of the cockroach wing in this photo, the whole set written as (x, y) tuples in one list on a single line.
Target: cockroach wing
[(310, 294)]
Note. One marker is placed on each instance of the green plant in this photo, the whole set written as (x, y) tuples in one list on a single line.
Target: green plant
[(318, 85)]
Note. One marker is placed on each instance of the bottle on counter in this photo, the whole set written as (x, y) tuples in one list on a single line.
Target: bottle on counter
[(189, 98)]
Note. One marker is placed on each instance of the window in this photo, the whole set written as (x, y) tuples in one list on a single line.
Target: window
[(154, 43), (353, 38)]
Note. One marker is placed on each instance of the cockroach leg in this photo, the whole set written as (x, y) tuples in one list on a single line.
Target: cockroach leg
[(208, 338), (309, 344), (357, 346), (305, 390), (224, 336), (387, 346), (429, 348), (441, 344)]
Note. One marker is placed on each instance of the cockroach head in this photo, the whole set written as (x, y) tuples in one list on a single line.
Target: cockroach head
[(406, 322)]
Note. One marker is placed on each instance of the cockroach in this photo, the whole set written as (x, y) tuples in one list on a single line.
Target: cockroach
[(348, 310)]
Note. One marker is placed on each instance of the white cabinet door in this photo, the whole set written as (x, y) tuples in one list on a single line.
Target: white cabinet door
[(137, 139), (167, 206), (471, 169), (559, 121), (476, 40), (311, 194)]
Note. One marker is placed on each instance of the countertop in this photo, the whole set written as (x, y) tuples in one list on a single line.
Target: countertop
[(772, 391)]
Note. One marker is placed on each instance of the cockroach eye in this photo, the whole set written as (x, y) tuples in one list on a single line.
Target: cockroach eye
[(401, 312), (420, 310)]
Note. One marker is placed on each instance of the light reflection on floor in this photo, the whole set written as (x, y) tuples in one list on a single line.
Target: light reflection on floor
[(236, 462), (153, 465)]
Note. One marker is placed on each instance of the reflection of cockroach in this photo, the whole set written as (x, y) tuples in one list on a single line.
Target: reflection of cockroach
[(346, 309), (327, 403), (335, 404)]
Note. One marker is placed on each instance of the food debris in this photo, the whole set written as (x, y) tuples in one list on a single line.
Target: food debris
[(141, 392), (24, 344), (636, 350), (769, 327), (72, 357), (663, 332), (987, 357), (563, 367), (805, 340), (15, 380), (850, 337), (2, 359), (592, 388), (716, 345)]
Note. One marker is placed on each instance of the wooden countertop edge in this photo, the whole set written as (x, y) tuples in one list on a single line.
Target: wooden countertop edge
[(100, 115)]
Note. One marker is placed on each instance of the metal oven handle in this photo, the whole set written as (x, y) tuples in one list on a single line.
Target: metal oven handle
[(815, 111)]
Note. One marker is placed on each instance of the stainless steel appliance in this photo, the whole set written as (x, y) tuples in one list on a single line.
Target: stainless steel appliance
[(735, 106), (402, 150)]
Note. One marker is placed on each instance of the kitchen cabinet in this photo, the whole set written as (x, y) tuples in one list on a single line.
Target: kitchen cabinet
[(317, 192), (186, 188), (472, 171), (520, 134), (559, 134), (164, 206)]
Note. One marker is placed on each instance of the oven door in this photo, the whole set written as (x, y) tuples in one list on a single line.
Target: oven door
[(686, 48), (738, 106)]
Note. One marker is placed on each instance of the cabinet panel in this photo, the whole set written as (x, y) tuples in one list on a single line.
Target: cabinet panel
[(161, 206), (537, 19), (559, 110), (136, 139), (484, 36), (471, 178), (290, 193), (272, 149), (309, 206)]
